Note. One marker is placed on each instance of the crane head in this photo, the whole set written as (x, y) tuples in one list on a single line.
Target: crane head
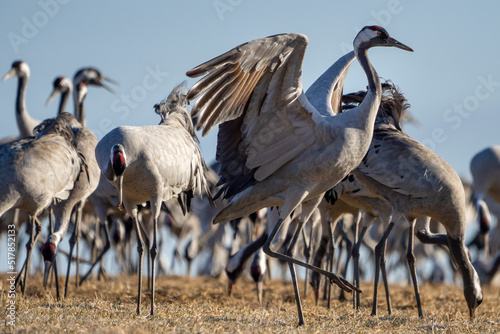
[(49, 253), (19, 68), (60, 85), (118, 159), (92, 76), (371, 36)]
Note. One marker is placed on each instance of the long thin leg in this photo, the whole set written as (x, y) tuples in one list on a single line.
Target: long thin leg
[(290, 252), (330, 262), (307, 255), (355, 256), (79, 212), (29, 247), (344, 284), (51, 228), (379, 251), (339, 244), (140, 251), (72, 241), (384, 279), (315, 279), (154, 253), (411, 265), (348, 247), (98, 259)]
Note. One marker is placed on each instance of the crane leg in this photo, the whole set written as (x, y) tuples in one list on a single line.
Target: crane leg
[(355, 261), (411, 265), (344, 284), (140, 251), (383, 270), (154, 253), (51, 227), (72, 242), (79, 212), (99, 258), (331, 257), (29, 247), (318, 258), (379, 254), (290, 252), (307, 255), (348, 248)]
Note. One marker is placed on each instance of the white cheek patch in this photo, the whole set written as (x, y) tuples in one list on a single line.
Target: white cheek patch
[(364, 36), (24, 68)]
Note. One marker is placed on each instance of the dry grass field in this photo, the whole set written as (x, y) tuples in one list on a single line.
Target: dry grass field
[(200, 305)]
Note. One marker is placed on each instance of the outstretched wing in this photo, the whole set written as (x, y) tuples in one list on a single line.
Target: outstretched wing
[(255, 92)]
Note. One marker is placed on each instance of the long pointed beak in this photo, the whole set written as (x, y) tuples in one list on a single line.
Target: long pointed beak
[(109, 89), (114, 82), (393, 42), (9, 74), (120, 193), (48, 266), (52, 95), (260, 291), (230, 287)]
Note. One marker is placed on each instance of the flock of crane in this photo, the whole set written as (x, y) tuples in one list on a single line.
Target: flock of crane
[(289, 161)]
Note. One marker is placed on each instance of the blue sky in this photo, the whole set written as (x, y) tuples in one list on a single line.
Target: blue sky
[(452, 80)]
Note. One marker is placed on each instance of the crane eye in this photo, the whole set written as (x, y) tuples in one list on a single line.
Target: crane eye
[(379, 33)]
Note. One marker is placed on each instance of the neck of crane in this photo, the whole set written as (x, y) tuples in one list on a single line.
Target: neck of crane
[(64, 101), (369, 107), (248, 250), (82, 113), (372, 76), (22, 116), (76, 100), (21, 93)]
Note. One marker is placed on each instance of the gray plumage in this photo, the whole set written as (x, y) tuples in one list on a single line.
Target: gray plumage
[(274, 147), (154, 163), (35, 171), (84, 185), (417, 182)]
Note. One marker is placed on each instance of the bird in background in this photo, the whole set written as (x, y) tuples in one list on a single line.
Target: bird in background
[(84, 186), (35, 171), (25, 123), (63, 86), (89, 76), (416, 182)]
